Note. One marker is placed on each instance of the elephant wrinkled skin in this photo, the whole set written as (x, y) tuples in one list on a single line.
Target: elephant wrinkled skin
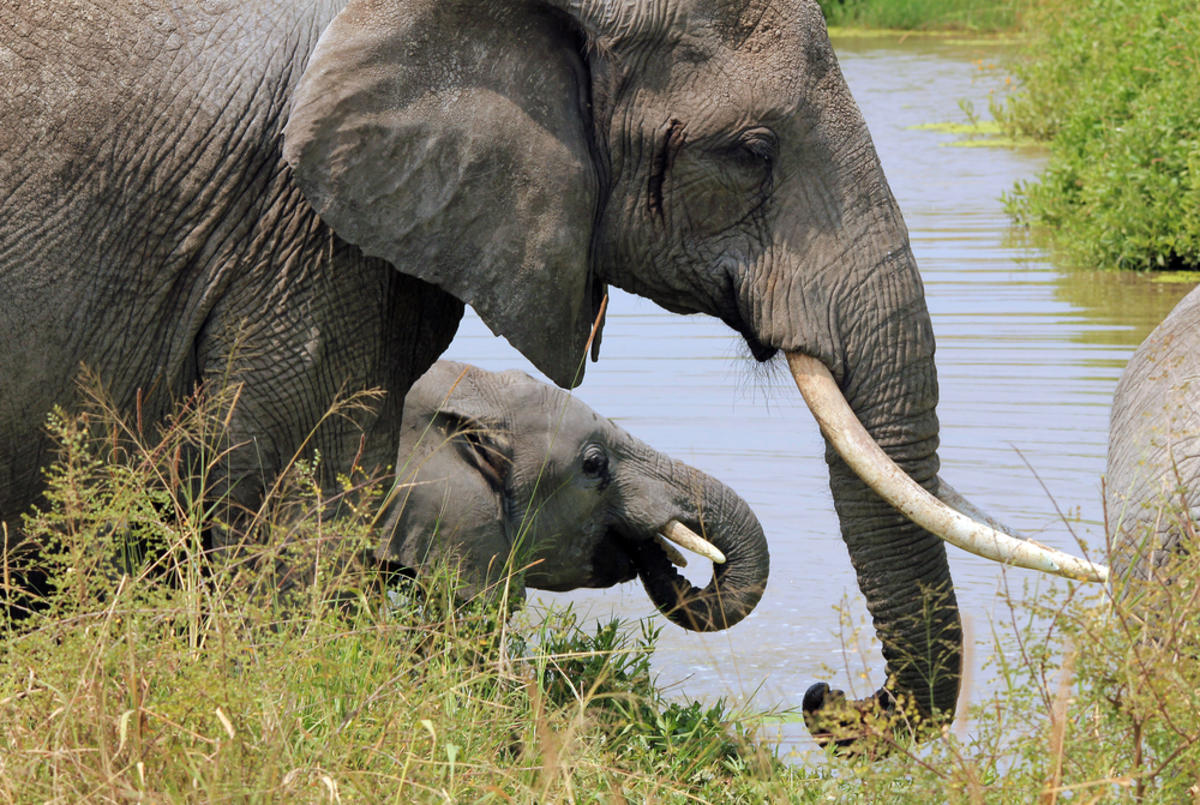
[(500, 474), (316, 189), (1152, 484)]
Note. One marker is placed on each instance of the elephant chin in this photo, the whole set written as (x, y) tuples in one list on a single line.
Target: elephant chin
[(613, 562)]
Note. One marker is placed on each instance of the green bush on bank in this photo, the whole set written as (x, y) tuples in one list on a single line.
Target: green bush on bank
[(1114, 86)]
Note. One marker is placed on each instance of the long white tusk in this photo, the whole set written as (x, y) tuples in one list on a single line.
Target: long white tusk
[(685, 537), (675, 557), (877, 470)]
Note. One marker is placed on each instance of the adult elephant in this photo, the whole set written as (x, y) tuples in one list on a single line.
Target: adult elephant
[(1152, 485), (516, 482), (301, 196)]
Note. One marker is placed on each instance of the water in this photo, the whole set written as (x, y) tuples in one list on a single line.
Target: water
[(1028, 355)]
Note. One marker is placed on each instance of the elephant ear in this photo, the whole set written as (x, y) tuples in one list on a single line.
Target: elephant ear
[(449, 506), (455, 141)]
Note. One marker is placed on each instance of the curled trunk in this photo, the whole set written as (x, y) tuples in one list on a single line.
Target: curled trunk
[(737, 584)]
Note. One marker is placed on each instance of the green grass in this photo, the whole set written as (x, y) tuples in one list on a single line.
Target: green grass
[(154, 671), (979, 16), (1112, 86)]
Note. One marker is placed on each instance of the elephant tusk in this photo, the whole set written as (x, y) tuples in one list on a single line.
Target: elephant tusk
[(877, 470), (685, 537), (676, 558)]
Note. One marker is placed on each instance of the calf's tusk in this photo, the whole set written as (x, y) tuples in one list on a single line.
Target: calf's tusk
[(877, 470), (685, 537), (674, 556)]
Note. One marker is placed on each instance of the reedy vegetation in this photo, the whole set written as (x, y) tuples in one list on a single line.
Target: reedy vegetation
[(980, 16), (286, 669)]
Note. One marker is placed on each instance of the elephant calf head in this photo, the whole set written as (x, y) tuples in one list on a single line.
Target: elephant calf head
[(502, 474)]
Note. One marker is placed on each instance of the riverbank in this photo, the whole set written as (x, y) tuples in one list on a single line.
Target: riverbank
[(978, 16), (1111, 88), (150, 672)]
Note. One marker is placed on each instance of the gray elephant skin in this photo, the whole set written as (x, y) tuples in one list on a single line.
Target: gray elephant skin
[(516, 482), (1152, 483), (317, 188)]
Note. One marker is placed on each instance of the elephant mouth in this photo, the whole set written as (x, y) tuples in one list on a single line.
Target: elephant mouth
[(621, 557), (613, 560), (734, 590)]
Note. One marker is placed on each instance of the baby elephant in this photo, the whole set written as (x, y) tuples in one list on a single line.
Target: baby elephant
[(1153, 477), (502, 474)]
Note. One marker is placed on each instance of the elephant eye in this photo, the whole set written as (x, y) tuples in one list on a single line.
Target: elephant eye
[(595, 462), (759, 145)]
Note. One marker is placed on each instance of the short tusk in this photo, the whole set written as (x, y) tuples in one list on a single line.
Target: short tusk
[(675, 557), (877, 470), (685, 537)]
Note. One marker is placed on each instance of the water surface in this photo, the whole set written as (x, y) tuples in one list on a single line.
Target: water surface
[(1028, 355)]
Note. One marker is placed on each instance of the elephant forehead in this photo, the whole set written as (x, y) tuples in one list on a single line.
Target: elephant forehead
[(723, 73), (557, 417)]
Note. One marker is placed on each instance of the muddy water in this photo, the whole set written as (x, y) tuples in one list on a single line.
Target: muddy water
[(1028, 355)]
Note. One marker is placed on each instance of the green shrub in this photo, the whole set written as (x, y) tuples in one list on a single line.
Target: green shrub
[(1112, 85)]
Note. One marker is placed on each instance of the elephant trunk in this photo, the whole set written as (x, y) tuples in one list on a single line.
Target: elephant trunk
[(887, 376), (737, 584)]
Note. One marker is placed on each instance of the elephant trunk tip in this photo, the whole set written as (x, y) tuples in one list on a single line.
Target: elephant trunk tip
[(873, 727), (716, 607)]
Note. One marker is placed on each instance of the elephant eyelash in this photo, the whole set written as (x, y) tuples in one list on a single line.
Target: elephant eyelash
[(758, 146), (595, 463)]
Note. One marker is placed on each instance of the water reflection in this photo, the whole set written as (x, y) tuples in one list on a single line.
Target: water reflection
[(1028, 355)]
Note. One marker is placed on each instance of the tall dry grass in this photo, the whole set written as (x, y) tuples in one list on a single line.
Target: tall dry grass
[(289, 666)]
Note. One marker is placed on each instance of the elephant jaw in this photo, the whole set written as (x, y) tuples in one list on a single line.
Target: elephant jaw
[(867, 459)]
